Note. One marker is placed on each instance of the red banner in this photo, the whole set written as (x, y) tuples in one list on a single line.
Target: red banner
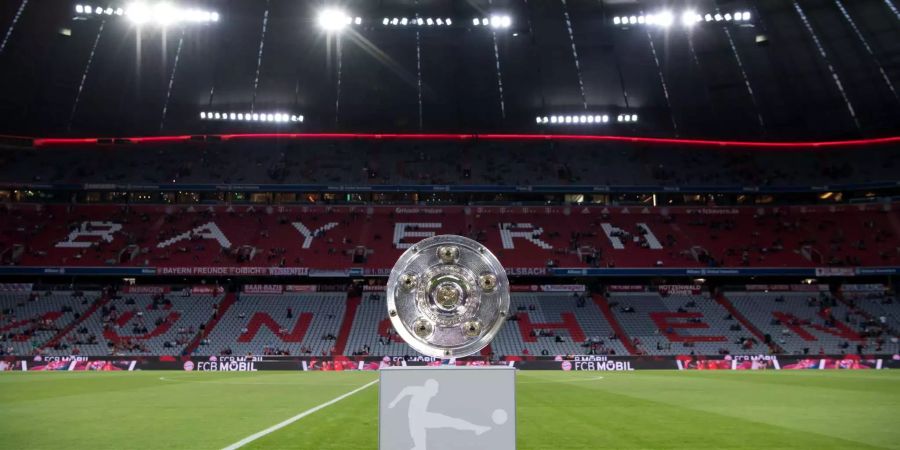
[(233, 271), (562, 288), (304, 288), (524, 288), (626, 288), (205, 290), (679, 289), (144, 289), (263, 288)]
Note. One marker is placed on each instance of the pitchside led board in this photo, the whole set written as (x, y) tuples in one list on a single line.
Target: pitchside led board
[(447, 297)]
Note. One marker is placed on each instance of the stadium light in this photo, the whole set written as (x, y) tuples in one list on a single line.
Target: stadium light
[(334, 20), (495, 21), (689, 18), (581, 119), (139, 13), (421, 21), (273, 117)]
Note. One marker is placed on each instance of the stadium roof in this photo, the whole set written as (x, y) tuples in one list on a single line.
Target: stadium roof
[(810, 69)]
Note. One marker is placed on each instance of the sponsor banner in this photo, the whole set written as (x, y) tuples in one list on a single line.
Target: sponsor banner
[(679, 289), (15, 287), (873, 287), (263, 288), (835, 271), (848, 362), (562, 288), (11, 364), (206, 290), (597, 363), (329, 273), (303, 288), (626, 288), (145, 289), (524, 288), (594, 363), (713, 211), (768, 287), (809, 287), (547, 288), (374, 288), (526, 271), (234, 271), (754, 362)]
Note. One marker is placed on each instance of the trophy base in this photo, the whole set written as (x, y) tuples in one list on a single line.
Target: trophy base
[(447, 407)]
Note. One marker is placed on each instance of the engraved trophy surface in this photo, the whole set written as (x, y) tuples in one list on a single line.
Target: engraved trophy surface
[(448, 296)]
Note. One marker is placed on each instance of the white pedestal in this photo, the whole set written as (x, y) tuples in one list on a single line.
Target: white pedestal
[(447, 407)]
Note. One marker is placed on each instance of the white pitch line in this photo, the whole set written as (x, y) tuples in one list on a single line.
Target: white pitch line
[(287, 422)]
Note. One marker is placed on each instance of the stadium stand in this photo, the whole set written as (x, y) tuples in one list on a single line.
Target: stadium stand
[(366, 163), (806, 323), (684, 324), (141, 324), (522, 237), (28, 321), (273, 324), (556, 324), (59, 323)]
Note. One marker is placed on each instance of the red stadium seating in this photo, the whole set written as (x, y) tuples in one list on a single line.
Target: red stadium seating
[(197, 239)]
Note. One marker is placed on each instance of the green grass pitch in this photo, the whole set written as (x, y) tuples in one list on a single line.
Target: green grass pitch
[(556, 410)]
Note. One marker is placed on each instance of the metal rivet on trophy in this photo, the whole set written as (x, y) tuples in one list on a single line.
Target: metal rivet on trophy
[(448, 296)]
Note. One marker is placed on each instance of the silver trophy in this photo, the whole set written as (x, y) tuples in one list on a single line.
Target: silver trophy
[(448, 296)]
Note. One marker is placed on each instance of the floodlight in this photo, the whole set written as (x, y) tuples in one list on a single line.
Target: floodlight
[(505, 21), (448, 22), (728, 17), (642, 19), (332, 20), (485, 21), (202, 115), (665, 19), (137, 12), (634, 117), (689, 18), (718, 17), (617, 20), (165, 14)]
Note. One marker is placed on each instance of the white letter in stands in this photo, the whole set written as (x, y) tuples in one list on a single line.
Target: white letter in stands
[(309, 235), (615, 234), (208, 230), (400, 232), (102, 230), (529, 233)]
